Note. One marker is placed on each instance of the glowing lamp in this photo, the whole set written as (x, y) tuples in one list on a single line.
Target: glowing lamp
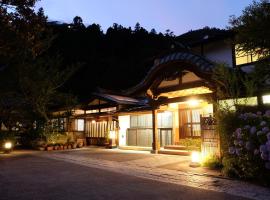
[(193, 102), (266, 99), (195, 159), (8, 145), (112, 135)]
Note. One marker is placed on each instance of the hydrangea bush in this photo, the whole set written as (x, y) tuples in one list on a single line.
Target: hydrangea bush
[(249, 145)]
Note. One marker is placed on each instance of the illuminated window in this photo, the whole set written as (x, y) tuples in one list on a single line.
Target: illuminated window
[(78, 112), (231, 103), (266, 99), (58, 124), (111, 109), (79, 124), (242, 57), (91, 111)]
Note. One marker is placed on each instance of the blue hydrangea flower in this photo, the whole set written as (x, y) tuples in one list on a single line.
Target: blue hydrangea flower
[(247, 127), (265, 129), (237, 151), (241, 143), (267, 165), (231, 150), (263, 123), (264, 156), (267, 145), (267, 113), (263, 148), (253, 130), (259, 133), (249, 146), (268, 136), (256, 152)]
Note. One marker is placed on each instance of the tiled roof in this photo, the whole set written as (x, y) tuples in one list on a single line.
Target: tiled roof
[(121, 99)]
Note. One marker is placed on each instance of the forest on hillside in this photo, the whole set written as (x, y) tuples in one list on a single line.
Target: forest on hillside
[(115, 59)]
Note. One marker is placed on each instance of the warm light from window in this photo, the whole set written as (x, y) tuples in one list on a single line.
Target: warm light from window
[(173, 105), (91, 111), (111, 109), (193, 102), (266, 99), (80, 124), (78, 112), (242, 57)]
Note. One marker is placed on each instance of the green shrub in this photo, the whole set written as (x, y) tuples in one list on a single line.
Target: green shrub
[(7, 135), (56, 137), (245, 143), (192, 144), (213, 162)]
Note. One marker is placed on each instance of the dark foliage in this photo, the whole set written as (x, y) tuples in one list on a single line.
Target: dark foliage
[(117, 59)]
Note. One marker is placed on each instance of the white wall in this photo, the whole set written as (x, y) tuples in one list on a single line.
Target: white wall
[(219, 52), (124, 123)]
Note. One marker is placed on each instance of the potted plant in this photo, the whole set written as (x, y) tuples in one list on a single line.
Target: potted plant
[(61, 147), (69, 145), (80, 145), (56, 147), (42, 147), (74, 145), (49, 147)]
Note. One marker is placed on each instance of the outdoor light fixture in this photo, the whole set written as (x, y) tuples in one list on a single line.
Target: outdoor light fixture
[(173, 105), (112, 135), (93, 121), (193, 102), (8, 145), (112, 142), (195, 159), (266, 99)]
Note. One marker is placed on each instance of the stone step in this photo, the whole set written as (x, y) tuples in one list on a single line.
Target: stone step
[(174, 152), (136, 148), (175, 147)]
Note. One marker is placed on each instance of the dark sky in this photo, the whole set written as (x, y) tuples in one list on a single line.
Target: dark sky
[(177, 15)]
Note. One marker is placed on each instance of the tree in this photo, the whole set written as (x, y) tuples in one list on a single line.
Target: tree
[(78, 22), (137, 27), (252, 28), (253, 32), (30, 76), (153, 31)]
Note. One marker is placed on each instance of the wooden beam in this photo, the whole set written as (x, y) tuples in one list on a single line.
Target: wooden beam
[(209, 97), (183, 86)]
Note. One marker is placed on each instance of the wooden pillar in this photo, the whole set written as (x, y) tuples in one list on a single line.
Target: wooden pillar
[(155, 144), (260, 100)]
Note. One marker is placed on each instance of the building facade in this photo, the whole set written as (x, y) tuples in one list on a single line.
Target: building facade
[(175, 101)]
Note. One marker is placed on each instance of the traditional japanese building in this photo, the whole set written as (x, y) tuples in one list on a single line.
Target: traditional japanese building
[(176, 100)]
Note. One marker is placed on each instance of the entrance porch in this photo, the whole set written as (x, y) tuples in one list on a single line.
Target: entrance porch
[(178, 126)]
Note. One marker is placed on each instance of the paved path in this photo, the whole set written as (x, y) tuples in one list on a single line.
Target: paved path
[(54, 176), (150, 167)]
